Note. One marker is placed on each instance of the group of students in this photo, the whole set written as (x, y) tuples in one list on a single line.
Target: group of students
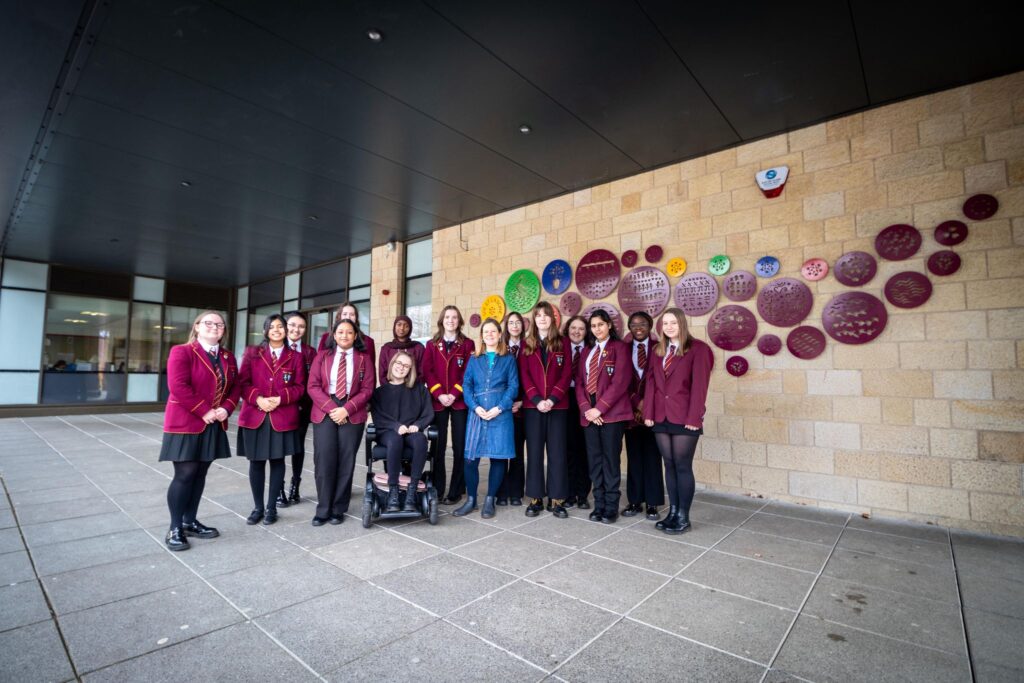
[(570, 397)]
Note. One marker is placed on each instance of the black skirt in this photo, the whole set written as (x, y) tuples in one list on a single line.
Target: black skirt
[(667, 427), (206, 446), (263, 443)]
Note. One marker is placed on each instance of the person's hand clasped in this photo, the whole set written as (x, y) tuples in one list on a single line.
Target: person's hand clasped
[(446, 400), (593, 415), (339, 415), (648, 423), (210, 417), (516, 405), (481, 413), (403, 430), (412, 429), (546, 405)]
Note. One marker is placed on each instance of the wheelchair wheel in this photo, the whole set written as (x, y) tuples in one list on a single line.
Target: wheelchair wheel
[(433, 510), (367, 512)]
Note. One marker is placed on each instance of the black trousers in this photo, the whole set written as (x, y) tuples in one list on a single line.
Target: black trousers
[(576, 452), (334, 459), (546, 429), (395, 444), (512, 486), (299, 459), (604, 448), (644, 481), (458, 420)]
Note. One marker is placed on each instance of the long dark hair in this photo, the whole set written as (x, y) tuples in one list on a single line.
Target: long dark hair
[(266, 329), (459, 337), (613, 334), (506, 337), (554, 339), (358, 345)]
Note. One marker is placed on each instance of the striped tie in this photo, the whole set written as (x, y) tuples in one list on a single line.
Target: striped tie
[(595, 358), (641, 356), (340, 382), (670, 356)]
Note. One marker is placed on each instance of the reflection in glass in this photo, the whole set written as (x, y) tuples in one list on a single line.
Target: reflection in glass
[(144, 344), (85, 350), (417, 307)]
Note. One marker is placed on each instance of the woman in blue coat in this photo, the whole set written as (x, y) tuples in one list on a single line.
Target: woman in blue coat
[(490, 385)]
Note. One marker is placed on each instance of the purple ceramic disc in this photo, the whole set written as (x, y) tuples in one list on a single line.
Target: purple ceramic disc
[(806, 342), (474, 320), (644, 289), (981, 206), (951, 233), (737, 366), (653, 253), (908, 289), (898, 242), (597, 274), (739, 285), (854, 317), (629, 258), (944, 263), (610, 310), (570, 304), (769, 344), (697, 293), (855, 268), (732, 328), (784, 302)]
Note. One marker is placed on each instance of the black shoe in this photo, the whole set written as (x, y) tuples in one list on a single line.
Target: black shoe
[(409, 505), (255, 517), (569, 503), (199, 530), (336, 520), (282, 499), (652, 512), (318, 521), (673, 512), (451, 500), (502, 501), (466, 507), (270, 517), (515, 501), (488, 510), (293, 492), (582, 504), (609, 519), (680, 524), (393, 505), (175, 540), (534, 508), (595, 516), (558, 510), (632, 509)]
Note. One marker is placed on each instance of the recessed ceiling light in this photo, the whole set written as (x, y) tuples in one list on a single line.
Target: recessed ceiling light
[(313, 217), (186, 183), (374, 35), (525, 128)]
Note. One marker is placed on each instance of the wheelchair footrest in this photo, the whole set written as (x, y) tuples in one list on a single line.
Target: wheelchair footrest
[(381, 480)]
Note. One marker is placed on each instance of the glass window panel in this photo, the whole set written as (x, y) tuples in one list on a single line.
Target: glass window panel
[(148, 289), (327, 278), (359, 273), (359, 294), (25, 274), (256, 318), (419, 259), (86, 350), (417, 307), (142, 388), (319, 323), (291, 286), (21, 329), (19, 388), (146, 332), (243, 298), (241, 317), (177, 323), (266, 293), (291, 305)]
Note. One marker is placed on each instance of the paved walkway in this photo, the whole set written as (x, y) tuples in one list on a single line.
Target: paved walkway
[(758, 591)]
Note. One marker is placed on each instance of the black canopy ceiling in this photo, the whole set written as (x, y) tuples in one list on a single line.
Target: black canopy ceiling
[(301, 140)]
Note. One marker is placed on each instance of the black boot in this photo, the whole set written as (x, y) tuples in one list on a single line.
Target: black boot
[(467, 507), (680, 523), (410, 500), (270, 517), (488, 510), (393, 505), (293, 492), (282, 498), (673, 512), (175, 539)]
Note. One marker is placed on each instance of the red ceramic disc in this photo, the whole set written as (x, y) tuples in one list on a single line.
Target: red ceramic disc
[(769, 344), (644, 289), (732, 328), (898, 242), (951, 233), (806, 342), (784, 302), (814, 269), (610, 310), (653, 253), (908, 289), (474, 320), (570, 304), (739, 285), (981, 206), (855, 268), (629, 258), (854, 317), (697, 293), (597, 274), (737, 366), (944, 263)]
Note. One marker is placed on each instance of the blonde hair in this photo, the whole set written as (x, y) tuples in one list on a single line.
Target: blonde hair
[(502, 346), (410, 379), (192, 336), (684, 335)]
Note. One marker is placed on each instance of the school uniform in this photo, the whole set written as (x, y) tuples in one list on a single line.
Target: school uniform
[(335, 445), (603, 383), (199, 379), (265, 374), (369, 345), (444, 365), (546, 375), (576, 447), (388, 351), (644, 480), (514, 482), (677, 390), (308, 353)]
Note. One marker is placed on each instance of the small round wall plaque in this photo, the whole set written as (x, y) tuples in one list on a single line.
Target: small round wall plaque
[(644, 289), (732, 328), (855, 268), (784, 302), (951, 233), (737, 366), (908, 289), (944, 263), (739, 285), (697, 293), (769, 344), (653, 253), (898, 242), (980, 207), (610, 310), (522, 291), (806, 342), (597, 274), (675, 267), (719, 265), (557, 276), (814, 269), (493, 307), (474, 320), (629, 258), (570, 304), (854, 317), (766, 266)]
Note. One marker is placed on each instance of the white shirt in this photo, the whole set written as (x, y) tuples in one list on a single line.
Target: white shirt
[(597, 349), (332, 384), (210, 349), (636, 363), (576, 348), (276, 353), (297, 345)]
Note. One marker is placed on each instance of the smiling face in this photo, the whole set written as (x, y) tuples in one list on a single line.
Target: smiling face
[(402, 329), (639, 328), (345, 336), (348, 313), (276, 333), (401, 366), (210, 329), (451, 321), (542, 320), (490, 333), (514, 324), (577, 331), (599, 328), (296, 329), (670, 327)]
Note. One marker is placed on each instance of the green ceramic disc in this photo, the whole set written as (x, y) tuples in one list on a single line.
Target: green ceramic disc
[(522, 291), (719, 265)]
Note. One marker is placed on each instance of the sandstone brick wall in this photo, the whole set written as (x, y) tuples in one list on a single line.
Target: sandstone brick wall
[(926, 422)]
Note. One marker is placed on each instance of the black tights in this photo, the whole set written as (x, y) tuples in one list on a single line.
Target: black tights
[(186, 490), (258, 477), (677, 453), (297, 462)]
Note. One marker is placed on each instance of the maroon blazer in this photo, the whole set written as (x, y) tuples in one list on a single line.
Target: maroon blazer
[(368, 343), (363, 382), (443, 372), (638, 384), (259, 377), (192, 384), (614, 375), (541, 381), (679, 396), (387, 352), (306, 403)]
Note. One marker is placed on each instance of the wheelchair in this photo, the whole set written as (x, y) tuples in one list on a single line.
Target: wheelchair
[(375, 497)]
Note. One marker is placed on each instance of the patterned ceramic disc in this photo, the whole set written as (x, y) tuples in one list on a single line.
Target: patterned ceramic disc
[(629, 258), (653, 253), (675, 267), (980, 207), (943, 263), (557, 276), (769, 344), (854, 317), (697, 293), (814, 269), (719, 265), (612, 312), (493, 307), (739, 285), (767, 266), (598, 274), (855, 268), (732, 328), (737, 366), (898, 242), (558, 314), (570, 304), (474, 320), (908, 289), (806, 342), (644, 289), (784, 302), (951, 233)]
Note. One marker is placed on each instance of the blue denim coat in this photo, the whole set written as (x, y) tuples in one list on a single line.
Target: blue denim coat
[(488, 387)]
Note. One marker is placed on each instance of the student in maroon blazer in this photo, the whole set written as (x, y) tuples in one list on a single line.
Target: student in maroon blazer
[(401, 329), (202, 379), (341, 384), (444, 365), (602, 393), (273, 381), (644, 482), (674, 405), (545, 370), (348, 311), (296, 333), (514, 482)]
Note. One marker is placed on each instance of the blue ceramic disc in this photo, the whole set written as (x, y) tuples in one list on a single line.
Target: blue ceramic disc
[(557, 277), (767, 266)]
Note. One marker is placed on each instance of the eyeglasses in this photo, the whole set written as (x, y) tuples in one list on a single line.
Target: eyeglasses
[(399, 364), (213, 325)]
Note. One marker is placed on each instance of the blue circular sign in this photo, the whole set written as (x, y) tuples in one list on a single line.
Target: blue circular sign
[(770, 175), (557, 276), (767, 266)]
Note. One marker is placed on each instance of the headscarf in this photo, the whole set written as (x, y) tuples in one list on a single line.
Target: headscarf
[(397, 343)]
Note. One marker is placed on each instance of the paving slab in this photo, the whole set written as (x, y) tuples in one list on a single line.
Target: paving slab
[(444, 583), (61, 510), (376, 554), (271, 586), (996, 639), (897, 547), (897, 527), (103, 524), (571, 532), (645, 551), (792, 528), (807, 512), (84, 588), (774, 584), (15, 567), (922, 580), (775, 549), (513, 553), (88, 552), (701, 534), (612, 585), (33, 653), (23, 603)]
